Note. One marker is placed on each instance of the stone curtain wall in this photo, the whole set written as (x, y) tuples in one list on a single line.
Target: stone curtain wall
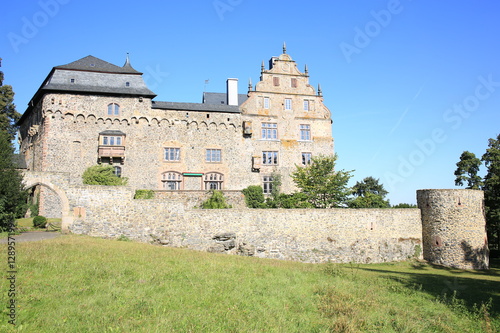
[(308, 235), (454, 228)]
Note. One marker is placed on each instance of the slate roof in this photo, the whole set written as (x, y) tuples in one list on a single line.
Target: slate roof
[(196, 107), (99, 90), (221, 98), (93, 64), (112, 132)]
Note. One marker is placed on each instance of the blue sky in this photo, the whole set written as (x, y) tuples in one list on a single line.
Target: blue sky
[(410, 83)]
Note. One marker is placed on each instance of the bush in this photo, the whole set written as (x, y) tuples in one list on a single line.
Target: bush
[(144, 194), (102, 175), (39, 221), (254, 196), (216, 201)]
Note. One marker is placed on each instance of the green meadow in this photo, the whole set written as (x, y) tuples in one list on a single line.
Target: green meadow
[(83, 284)]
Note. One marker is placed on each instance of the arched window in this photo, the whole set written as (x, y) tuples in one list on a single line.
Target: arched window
[(113, 109), (118, 171), (171, 180), (213, 181)]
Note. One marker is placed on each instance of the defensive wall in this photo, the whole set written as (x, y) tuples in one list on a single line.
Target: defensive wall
[(439, 231)]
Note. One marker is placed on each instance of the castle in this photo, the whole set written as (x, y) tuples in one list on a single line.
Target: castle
[(90, 111)]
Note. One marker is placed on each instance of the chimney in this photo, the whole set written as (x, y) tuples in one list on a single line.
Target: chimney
[(232, 91)]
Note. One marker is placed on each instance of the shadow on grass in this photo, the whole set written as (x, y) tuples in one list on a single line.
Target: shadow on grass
[(474, 287)]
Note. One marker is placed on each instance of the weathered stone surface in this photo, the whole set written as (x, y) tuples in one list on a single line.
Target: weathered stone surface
[(246, 250), (224, 236)]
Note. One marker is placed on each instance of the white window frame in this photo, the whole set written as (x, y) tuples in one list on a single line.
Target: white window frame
[(305, 132), (270, 158), (113, 109), (172, 180), (108, 140), (267, 184), (288, 104), (306, 158), (213, 155), (172, 154), (307, 106), (213, 181), (269, 131), (266, 103)]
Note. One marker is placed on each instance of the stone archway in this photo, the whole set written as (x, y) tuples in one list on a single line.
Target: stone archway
[(66, 215)]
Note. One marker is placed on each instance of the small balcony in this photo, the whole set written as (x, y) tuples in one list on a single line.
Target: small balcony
[(111, 152)]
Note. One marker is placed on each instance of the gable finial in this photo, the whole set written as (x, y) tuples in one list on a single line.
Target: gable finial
[(284, 47), (306, 70), (250, 85), (127, 61), (320, 93), (262, 67)]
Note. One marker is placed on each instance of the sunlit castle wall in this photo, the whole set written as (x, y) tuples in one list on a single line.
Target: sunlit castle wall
[(454, 228)]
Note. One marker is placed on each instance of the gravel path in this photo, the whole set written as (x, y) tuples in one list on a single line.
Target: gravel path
[(32, 236)]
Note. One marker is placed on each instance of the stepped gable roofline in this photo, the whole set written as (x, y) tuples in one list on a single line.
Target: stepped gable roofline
[(221, 98), (195, 107), (93, 64)]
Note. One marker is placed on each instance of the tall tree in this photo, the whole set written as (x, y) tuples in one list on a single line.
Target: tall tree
[(369, 194), (12, 193), (323, 186), (492, 191), (467, 169), (8, 114)]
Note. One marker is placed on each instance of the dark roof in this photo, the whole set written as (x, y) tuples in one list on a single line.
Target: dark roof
[(99, 90), (93, 64), (19, 161), (221, 98), (112, 132), (196, 107)]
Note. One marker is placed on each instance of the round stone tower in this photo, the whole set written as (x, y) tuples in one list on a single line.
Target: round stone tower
[(454, 228)]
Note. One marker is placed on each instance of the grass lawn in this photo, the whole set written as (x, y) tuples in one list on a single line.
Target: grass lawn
[(82, 284)]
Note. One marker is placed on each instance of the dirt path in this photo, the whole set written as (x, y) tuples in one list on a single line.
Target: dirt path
[(32, 236)]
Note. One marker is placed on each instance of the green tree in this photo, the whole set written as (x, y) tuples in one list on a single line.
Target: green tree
[(369, 193), (324, 187), (12, 193), (216, 201), (369, 185), (8, 114), (404, 205), (492, 191), (254, 196), (467, 169), (102, 175)]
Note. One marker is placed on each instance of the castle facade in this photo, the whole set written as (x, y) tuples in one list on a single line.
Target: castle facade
[(92, 112)]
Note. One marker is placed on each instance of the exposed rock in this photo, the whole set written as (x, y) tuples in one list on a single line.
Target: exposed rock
[(216, 248), (225, 236), (246, 249)]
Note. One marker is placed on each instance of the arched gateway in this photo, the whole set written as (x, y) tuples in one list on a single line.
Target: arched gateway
[(56, 183)]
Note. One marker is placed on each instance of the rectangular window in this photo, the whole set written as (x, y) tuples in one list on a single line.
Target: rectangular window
[(269, 131), (266, 102), (305, 132), (288, 103), (270, 157), (306, 105), (112, 140), (276, 81), (306, 158), (172, 154), (267, 184), (294, 83), (213, 155)]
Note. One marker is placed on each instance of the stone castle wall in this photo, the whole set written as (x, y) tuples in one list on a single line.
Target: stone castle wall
[(308, 235), (454, 228)]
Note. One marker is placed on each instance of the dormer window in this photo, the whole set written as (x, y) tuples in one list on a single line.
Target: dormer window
[(72, 80), (113, 109), (127, 84)]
